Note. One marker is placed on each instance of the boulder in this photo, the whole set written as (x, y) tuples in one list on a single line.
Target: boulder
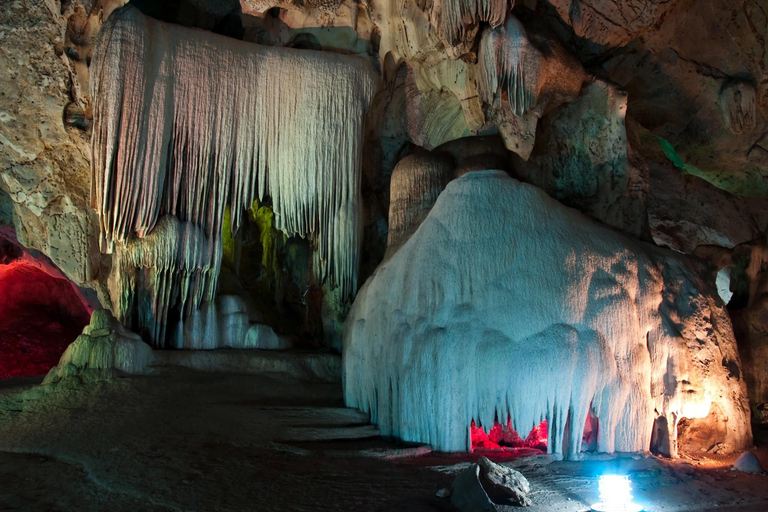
[(504, 485), (467, 493), (486, 484), (748, 463)]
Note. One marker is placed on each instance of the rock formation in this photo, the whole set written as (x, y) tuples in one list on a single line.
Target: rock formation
[(249, 161), (416, 183), (483, 486), (165, 141), (505, 304), (105, 350)]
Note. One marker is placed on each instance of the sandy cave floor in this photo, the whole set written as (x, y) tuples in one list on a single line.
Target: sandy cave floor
[(192, 441)]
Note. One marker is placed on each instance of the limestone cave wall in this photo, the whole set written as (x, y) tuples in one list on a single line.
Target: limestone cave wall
[(649, 117)]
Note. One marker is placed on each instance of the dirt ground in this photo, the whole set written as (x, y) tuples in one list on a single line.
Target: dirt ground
[(184, 440)]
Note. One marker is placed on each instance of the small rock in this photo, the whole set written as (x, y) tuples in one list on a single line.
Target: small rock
[(443, 493), (748, 463)]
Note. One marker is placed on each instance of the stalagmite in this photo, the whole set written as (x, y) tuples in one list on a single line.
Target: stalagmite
[(416, 183), (506, 304), (103, 351), (188, 122)]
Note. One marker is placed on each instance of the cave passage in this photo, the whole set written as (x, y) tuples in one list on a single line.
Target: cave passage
[(39, 316)]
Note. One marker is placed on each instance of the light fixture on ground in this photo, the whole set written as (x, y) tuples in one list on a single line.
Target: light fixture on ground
[(615, 495)]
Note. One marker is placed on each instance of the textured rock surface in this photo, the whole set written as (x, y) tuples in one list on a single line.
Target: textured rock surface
[(43, 164), (747, 266), (699, 97), (582, 160), (105, 350), (686, 211), (504, 485), (504, 302), (679, 152)]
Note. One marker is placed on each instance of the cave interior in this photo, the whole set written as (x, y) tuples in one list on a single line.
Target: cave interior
[(460, 255)]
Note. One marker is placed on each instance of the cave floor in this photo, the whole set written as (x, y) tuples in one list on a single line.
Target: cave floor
[(192, 441)]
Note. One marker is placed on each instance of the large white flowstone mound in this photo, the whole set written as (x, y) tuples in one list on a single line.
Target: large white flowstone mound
[(504, 302)]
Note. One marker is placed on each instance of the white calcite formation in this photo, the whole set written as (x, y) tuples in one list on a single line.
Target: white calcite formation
[(225, 323), (175, 265), (451, 17), (504, 303), (529, 72), (509, 62), (522, 76), (187, 122)]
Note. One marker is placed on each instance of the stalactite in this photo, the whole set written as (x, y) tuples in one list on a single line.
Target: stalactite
[(510, 63), (188, 122), (174, 266), (533, 70), (451, 16)]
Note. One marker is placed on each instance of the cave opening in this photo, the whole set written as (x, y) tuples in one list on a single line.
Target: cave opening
[(40, 315)]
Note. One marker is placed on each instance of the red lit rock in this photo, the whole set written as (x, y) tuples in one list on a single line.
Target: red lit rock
[(39, 316)]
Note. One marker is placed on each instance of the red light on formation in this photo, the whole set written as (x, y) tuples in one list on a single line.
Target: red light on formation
[(504, 438), (39, 316)]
